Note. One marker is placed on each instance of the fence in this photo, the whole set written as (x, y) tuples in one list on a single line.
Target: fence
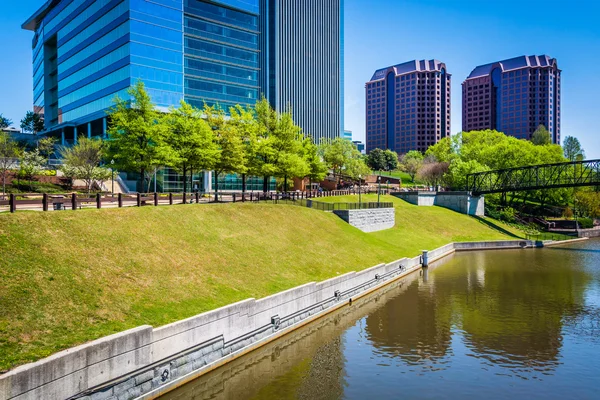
[(74, 201), (549, 236)]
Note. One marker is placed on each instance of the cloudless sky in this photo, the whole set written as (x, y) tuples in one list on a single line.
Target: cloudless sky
[(380, 33)]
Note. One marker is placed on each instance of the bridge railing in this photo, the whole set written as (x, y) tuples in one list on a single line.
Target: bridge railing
[(533, 177)]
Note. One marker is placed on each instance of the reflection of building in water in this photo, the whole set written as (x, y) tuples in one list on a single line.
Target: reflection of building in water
[(509, 318), (414, 326)]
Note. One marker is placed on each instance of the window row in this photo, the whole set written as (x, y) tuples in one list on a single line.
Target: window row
[(235, 36), (93, 8), (95, 67), (94, 87), (94, 47), (221, 14), (96, 26)]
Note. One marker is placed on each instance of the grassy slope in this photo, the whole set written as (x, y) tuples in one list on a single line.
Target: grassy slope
[(69, 277)]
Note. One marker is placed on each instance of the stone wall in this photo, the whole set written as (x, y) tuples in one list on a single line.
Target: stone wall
[(461, 202), (144, 362), (588, 233), (369, 220)]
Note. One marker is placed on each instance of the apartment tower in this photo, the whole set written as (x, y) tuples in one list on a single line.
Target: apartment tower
[(513, 96), (408, 106)]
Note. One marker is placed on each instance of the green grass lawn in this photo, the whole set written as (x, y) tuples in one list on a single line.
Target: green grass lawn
[(405, 177), (73, 276)]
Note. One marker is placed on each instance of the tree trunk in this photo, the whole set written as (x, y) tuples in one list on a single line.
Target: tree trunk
[(243, 187), (216, 186), (285, 185), (265, 184), (142, 182), (184, 170)]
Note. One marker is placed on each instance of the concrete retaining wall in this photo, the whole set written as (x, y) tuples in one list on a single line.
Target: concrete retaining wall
[(146, 361), (588, 233), (369, 220), (461, 202)]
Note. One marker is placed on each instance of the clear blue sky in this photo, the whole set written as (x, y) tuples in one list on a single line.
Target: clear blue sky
[(379, 33)]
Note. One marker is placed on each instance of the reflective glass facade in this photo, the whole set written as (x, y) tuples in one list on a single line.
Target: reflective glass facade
[(226, 52), (221, 53)]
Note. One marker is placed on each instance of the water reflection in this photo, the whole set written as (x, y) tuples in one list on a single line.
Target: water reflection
[(524, 320)]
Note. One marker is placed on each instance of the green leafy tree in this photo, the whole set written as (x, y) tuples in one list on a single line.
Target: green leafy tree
[(357, 168), (192, 140), (4, 122), (376, 160), (456, 177), (9, 153), (287, 142), (230, 143), (138, 138), (391, 160), (339, 155), (588, 202), (32, 123), (83, 159), (541, 136), (317, 169), (572, 149), (411, 163), (46, 146), (244, 120), (31, 164), (264, 153)]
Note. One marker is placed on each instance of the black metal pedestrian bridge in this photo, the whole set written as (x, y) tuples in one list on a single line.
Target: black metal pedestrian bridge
[(534, 177)]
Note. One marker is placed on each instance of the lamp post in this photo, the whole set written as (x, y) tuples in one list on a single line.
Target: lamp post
[(112, 174), (359, 185), (378, 188)]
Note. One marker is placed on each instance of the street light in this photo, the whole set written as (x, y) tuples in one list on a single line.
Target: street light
[(359, 185), (112, 174), (378, 188)]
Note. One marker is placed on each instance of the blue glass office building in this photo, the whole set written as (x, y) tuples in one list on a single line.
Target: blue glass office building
[(86, 52)]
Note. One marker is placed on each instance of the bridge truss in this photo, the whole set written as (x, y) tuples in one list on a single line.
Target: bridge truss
[(546, 176)]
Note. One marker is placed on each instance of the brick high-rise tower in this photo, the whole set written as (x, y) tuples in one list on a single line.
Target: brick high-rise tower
[(408, 106), (513, 96)]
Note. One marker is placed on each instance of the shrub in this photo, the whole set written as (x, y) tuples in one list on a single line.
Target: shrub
[(586, 223), (508, 215)]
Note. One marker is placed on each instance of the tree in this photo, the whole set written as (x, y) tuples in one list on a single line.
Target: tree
[(391, 160), (456, 178), (244, 119), (376, 160), (9, 152), (317, 169), (138, 137), (192, 140), (46, 147), (541, 136), (4, 122), (572, 149), (32, 162), (338, 155), (32, 123), (411, 163), (287, 142), (229, 141), (264, 161), (432, 172), (82, 161)]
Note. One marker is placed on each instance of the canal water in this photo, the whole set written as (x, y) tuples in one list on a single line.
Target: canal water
[(492, 325)]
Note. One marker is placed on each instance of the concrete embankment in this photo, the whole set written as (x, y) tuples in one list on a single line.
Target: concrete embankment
[(146, 362)]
